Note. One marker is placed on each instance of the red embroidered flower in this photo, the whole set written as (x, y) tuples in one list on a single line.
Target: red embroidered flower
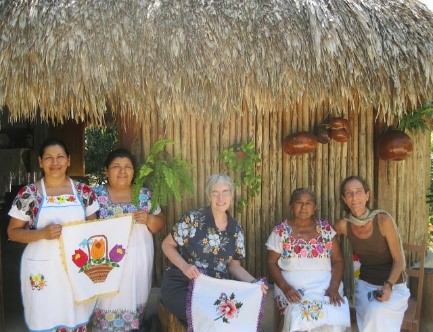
[(71, 198), (297, 249), (314, 252), (80, 258)]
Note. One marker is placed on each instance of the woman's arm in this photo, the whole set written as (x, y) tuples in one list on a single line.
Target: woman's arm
[(169, 248), (337, 272), (239, 273), (389, 231), (341, 227), (153, 222), (274, 271), (18, 232)]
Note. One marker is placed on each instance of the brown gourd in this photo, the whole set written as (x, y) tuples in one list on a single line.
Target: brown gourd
[(394, 145), (299, 143)]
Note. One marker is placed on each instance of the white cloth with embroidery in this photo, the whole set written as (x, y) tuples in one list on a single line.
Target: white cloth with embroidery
[(94, 255), (224, 305), (47, 294), (306, 266)]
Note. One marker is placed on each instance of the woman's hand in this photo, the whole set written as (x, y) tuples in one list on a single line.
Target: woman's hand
[(334, 297), (140, 217), (293, 295), (190, 271), (264, 288), (52, 231), (385, 293)]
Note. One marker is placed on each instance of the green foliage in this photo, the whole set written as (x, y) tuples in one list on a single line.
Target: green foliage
[(98, 143), (241, 161), (418, 120), (165, 175)]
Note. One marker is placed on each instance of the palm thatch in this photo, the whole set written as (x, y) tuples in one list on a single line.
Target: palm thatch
[(74, 59)]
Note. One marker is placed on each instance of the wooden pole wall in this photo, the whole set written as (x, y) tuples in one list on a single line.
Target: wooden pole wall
[(399, 187)]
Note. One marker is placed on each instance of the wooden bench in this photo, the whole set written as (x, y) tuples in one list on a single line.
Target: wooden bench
[(169, 322)]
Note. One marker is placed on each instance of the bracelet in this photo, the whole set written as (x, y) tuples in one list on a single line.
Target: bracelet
[(391, 285)]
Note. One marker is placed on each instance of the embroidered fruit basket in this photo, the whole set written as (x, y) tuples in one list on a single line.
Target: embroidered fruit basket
[(98, 261)]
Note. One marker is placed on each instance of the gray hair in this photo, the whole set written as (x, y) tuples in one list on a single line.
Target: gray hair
[(218, 178), (300, 191)]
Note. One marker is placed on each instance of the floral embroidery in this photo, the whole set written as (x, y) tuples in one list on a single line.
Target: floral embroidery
[(62, 199), (97, 263), (29, 199), (311, 310), (113, 320), (227, 307), (318, 247), (108, 209), (37, 281)]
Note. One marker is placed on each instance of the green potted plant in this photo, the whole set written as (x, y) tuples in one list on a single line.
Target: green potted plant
[(241, 161), (165, 175)]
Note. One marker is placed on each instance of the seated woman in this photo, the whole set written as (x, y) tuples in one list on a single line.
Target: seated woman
[(381, 293), (207, 238), (305, 261)]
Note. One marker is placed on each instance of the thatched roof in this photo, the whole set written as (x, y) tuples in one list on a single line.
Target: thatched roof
[(70, 58)]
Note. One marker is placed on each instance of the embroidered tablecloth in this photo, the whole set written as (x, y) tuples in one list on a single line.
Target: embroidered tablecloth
[(224, 305), (93, 254)]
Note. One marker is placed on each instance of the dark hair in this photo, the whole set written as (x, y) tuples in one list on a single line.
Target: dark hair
[(120, 153), (51, 142), (300, 191), (364, 184)]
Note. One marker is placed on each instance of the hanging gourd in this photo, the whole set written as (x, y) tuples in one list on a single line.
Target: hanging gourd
[(339, 129), (394, 145), (299, 143), (323, 133)]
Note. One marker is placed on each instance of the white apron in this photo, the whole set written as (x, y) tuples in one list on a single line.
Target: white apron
[(47, 294)]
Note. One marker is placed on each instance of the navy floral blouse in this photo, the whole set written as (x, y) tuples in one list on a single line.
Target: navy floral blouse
[(202, 244)]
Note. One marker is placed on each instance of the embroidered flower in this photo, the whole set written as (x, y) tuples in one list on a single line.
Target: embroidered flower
[(98, 249), (109, 316), (80, 258), (311, 310), (37, 281), (117, 253), (227, 307), (62, 199)]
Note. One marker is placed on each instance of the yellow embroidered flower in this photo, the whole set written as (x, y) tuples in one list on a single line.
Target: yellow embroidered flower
[(216, 250), (109, 316), (98, 249), (205, 241), (62, 199)]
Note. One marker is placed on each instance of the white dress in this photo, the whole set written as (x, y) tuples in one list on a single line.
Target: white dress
[(47, 294), (122, 312), (306, 265)]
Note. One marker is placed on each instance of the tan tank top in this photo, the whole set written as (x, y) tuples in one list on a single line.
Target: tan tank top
[(374, 255)]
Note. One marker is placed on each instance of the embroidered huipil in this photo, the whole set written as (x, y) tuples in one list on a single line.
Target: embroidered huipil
[(202, 244), (306, 266), (47, 295), (121, 312)]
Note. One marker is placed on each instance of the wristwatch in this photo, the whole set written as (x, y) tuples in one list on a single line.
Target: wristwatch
[(391, 285)]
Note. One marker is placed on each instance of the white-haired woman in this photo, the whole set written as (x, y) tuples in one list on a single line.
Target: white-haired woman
[(206, 239)]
